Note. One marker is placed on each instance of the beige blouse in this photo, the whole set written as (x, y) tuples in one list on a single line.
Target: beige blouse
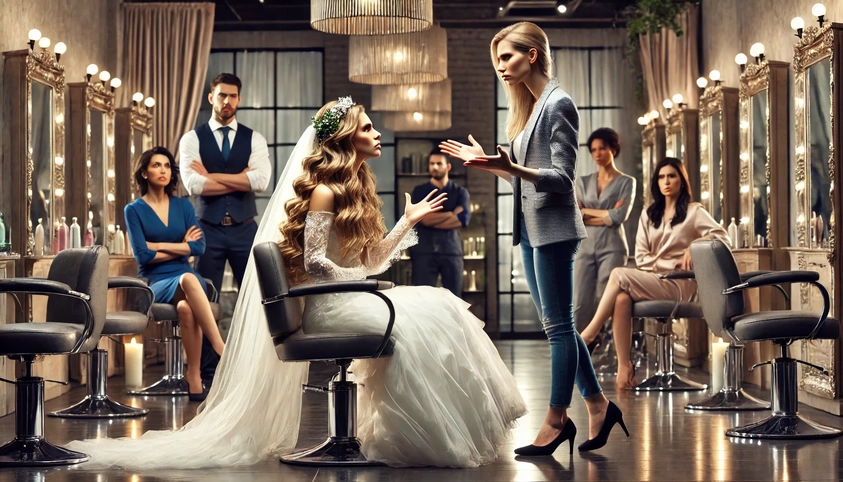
[(660, 249)]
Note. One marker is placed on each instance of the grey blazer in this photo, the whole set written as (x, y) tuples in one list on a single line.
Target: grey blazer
[(549, 144)]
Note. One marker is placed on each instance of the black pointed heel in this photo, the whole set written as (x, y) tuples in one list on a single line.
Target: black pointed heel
[(569, 431), (613, 416)]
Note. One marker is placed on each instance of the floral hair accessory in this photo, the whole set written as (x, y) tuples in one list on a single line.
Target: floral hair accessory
[(328, 124)]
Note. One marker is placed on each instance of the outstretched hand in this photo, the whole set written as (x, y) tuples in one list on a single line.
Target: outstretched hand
[(415, 212), (461, 151), (499, 162)]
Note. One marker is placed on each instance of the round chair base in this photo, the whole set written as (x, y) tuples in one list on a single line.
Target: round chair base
[(37, 452), (91, 407), (782, 427), (334, 451), (729, 400), (668, 382), (169, 385)]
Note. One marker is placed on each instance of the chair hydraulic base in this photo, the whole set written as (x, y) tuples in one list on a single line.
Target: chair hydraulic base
[(666, 379), (29, 447), (731, 397), (173, 382), (785, 422), (98, 404), (342, 447)]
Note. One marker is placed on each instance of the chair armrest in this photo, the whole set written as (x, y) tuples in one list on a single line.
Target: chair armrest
[(339, 287), (213, 292), (39, 286), (679, 274), (773, 278), (129, 283)]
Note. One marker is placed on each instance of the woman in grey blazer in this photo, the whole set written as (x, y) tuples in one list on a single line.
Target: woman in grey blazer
[(542, 126)]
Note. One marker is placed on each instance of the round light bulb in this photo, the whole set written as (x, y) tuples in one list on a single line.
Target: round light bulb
[(92, 69), (115, 83), (677, 98), (44, 42), (797, 23), (61, 48), (667, 104), (642, 121), (137, 97), (417, 116), (714, 75), (654, 114), (702, 82), (34, 35), (561, 9), (105, 75), (757, 49), (818, 10), (412, 93), (149, 102), (740, 59), (399, 56)]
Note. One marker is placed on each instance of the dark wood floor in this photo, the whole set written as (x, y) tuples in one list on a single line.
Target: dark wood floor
[(666, 443)]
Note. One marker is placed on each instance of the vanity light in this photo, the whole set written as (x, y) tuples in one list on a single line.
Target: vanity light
[(59, 161), (44, 43), (741, 59), (654, 115), (800, 186), (34, 36), (110, 197), (417, 116), (677, 100), (137, 97), (115, 83), (702, 82), (704, 168), (797, 24), (59, 192), (818, 10), (60, 49), (757, 51), (705, 195), (668, 104), (714, 75), (149, 102), (91, 71), (642, 121), (105, 76)]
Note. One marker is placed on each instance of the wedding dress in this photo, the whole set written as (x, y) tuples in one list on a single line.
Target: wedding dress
[(443, 398)]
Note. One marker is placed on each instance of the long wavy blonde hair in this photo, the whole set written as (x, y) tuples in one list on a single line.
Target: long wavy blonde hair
[(334, 163), (523, 36)]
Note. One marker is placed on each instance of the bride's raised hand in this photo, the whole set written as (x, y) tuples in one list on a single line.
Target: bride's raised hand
[(415, 212), (461, 151)]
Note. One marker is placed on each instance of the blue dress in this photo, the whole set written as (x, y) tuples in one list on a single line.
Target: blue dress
[(144, 225)]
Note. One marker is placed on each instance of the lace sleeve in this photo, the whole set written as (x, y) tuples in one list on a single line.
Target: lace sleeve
[(381, 256), (317, 228)]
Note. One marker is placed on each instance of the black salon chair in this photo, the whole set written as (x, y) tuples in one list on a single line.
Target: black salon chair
[(293, 345), (173, 381), (76, 286), (97, 404), (721, 296)]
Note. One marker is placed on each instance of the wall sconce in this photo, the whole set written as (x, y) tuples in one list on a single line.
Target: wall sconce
[(149, 102), (741, 59), (642, 121), (91, 71), (34, 36), (715, 76), (44, 43), (115, 83), (137, 98), (105, 76), (818, 10), (678, 101), (702, 82), (654, 114), (757, 51), (797, 24), (60, 49), (668, 104)]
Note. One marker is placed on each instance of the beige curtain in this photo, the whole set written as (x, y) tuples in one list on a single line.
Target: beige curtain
[(671, 64), (165, 56)]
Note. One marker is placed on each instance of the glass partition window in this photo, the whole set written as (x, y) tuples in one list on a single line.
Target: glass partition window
[(819, 150), (41, 149)]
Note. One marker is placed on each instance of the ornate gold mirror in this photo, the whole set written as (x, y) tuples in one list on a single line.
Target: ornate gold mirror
[(682, 138), (133, 136), (91, 143), (34, 162), (719, 152)]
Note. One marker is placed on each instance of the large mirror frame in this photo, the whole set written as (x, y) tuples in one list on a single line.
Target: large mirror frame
[(653, 146), (719, 104), (770, 79), (96, 175), (133, 136), (682, 142), (22, 68)]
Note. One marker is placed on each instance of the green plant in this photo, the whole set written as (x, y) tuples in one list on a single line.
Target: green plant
[(650, 16)]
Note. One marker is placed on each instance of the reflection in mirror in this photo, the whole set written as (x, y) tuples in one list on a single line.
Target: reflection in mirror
[(137, 150), (759, 167), (819, 131), (714, 139), (678, 147), (41, 148), (96, 174)]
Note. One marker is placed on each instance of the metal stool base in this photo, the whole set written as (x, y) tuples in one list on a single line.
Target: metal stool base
[(668, 382), (783, 427), (100, 408), (169, 385), (37, 452), (334, 451), (729, 400)]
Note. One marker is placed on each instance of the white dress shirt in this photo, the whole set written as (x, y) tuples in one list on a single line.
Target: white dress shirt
[(260, 168)]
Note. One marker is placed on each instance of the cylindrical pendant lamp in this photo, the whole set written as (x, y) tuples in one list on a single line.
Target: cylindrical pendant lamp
[(434, 97), (371, 17), (411, 58), (416, 121)]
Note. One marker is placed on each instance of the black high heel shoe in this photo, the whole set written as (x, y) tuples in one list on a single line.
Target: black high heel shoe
[(569, 431), (613, 416)]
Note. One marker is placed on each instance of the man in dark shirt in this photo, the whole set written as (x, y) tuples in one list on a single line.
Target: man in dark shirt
[(439, 251)]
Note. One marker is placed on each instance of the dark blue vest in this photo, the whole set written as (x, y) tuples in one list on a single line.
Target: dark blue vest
[(239, 205)]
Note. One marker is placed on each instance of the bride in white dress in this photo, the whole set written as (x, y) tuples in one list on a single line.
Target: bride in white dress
[(444, 398)]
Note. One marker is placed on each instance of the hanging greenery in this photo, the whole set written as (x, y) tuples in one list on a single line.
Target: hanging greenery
[(650, 16)]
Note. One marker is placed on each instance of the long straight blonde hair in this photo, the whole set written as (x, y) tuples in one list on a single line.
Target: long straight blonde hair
[(523, 36)]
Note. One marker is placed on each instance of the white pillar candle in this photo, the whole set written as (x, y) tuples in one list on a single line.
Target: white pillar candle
[(718, 363), (134, 363)]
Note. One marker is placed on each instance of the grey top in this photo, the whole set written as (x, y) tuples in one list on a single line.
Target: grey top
[(549, 144), (606, 239)]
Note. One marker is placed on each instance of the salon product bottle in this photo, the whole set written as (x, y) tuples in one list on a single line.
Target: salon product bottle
[(820, 233), (473, 284), (64, 235), (733, 234), (75, 234), (89, 236), (39, 239), (3, 247), (118, 242)]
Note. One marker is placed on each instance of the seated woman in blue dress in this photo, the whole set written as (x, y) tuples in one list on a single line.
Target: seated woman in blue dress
[(164, 233)]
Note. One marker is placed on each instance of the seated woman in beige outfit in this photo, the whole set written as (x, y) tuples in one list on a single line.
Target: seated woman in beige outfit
[(665, 231)]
